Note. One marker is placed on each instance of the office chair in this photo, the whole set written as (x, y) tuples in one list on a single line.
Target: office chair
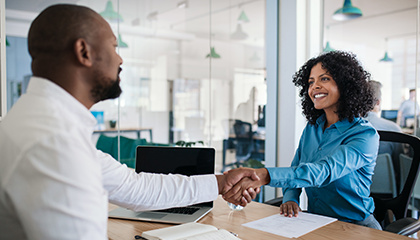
[(243, 143), (399, 204), (127, 148), (244, 140), (384, 180)]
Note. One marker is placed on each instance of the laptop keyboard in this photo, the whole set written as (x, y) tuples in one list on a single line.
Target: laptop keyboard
[(183, 210)]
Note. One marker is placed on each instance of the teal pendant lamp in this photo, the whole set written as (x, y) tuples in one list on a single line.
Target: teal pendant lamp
[(213, 54), (121, 44), (347, 12), (328, 48), (255, 57), (243, 18), (386, 58), (7, 43), (110, 14)]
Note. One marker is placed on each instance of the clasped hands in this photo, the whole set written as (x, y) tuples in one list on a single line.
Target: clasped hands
[(239, 186)]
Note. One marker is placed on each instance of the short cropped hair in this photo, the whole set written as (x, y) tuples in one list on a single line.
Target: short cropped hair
[(56, 29), (376, 88)]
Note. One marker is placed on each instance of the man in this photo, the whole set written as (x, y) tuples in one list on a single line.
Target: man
[(406, 110), (54, 184), (378, 122), (393, 149)]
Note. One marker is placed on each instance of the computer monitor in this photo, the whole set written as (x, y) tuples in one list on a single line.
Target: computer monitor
[(390, 115)]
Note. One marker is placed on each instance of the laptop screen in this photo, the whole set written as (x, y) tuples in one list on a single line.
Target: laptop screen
[(181, 160)]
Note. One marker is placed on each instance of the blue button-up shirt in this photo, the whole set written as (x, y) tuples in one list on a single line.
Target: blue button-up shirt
[(335, 167)]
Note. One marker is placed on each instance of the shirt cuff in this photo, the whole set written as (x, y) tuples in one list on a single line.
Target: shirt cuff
[(281, 176), (208, 187)]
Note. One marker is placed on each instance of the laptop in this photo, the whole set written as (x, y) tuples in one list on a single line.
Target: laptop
[(181, 160)]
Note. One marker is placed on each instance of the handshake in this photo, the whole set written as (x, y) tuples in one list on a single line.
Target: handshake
[(239, 186)]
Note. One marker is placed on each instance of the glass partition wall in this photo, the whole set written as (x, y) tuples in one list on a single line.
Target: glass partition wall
[(190, 70)]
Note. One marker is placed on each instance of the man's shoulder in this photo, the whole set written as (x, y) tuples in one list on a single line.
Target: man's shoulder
[(386, 125), (33, 119)]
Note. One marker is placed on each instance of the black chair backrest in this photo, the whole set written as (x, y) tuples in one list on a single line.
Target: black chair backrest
[(399, 204), (244, 139), (242, 129)]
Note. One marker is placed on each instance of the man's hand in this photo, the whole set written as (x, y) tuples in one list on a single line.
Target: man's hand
[(246, 186), (229, 179), (290, 209)]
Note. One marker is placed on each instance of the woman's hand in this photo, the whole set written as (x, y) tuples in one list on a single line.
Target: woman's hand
[(289, 208)]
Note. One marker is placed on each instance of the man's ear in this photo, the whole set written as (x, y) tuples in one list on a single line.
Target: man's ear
[(83, 52)]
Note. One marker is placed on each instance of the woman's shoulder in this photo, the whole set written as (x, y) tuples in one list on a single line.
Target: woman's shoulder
[(363, 126)]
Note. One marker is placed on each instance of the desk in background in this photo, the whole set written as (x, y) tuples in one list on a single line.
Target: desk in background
[(222, 217), (126, 130)]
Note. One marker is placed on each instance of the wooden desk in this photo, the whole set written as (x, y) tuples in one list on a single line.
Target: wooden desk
[(126, 130), (407, 130), (222, 217)]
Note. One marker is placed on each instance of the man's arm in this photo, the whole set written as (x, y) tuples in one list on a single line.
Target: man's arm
[(146, 191)]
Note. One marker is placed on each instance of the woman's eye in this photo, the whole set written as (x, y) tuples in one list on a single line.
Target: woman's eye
[(310, 83), (324, 79)]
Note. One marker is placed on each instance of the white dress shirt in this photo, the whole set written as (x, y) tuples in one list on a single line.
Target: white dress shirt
[(54, 183)]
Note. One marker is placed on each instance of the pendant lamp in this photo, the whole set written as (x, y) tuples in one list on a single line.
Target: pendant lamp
[(110, 14), (386, 58), (255, 57), (328, 48), (213, 54), (239, 34), (243, 18), (121, 44), (347, 12)]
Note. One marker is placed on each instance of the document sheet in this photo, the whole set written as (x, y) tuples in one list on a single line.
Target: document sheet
[(290, 227)]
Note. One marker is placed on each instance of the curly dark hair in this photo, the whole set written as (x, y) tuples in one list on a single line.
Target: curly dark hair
[(356, 95)]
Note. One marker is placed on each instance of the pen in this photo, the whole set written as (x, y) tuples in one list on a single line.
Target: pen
[(234, 234), (139, 237)]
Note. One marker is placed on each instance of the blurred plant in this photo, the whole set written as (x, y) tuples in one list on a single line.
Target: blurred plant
[(188, 144), (252, 163)]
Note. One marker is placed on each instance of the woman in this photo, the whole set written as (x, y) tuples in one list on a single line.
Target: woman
[(337, 151)]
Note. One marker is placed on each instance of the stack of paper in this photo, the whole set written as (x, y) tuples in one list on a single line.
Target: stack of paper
[(290, 227)]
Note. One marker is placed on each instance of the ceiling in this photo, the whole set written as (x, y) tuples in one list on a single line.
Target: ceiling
[(381, 18), (195, 19)]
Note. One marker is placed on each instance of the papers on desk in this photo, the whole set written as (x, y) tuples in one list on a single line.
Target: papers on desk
[(293, 227)]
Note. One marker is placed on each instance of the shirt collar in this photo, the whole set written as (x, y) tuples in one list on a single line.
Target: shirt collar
[(341, 126), (49, 89)]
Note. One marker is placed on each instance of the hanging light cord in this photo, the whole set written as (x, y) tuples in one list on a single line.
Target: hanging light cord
[(210, 76)]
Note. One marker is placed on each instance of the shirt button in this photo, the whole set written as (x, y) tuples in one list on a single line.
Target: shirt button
[(319, 149)]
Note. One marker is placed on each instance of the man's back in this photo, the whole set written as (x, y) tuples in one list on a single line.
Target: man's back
[(385, 125), (32, 136)]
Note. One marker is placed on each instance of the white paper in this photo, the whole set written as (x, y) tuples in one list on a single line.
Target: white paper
[(290, 227)]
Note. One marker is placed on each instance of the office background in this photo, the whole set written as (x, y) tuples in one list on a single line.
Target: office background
[(190, 66)]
